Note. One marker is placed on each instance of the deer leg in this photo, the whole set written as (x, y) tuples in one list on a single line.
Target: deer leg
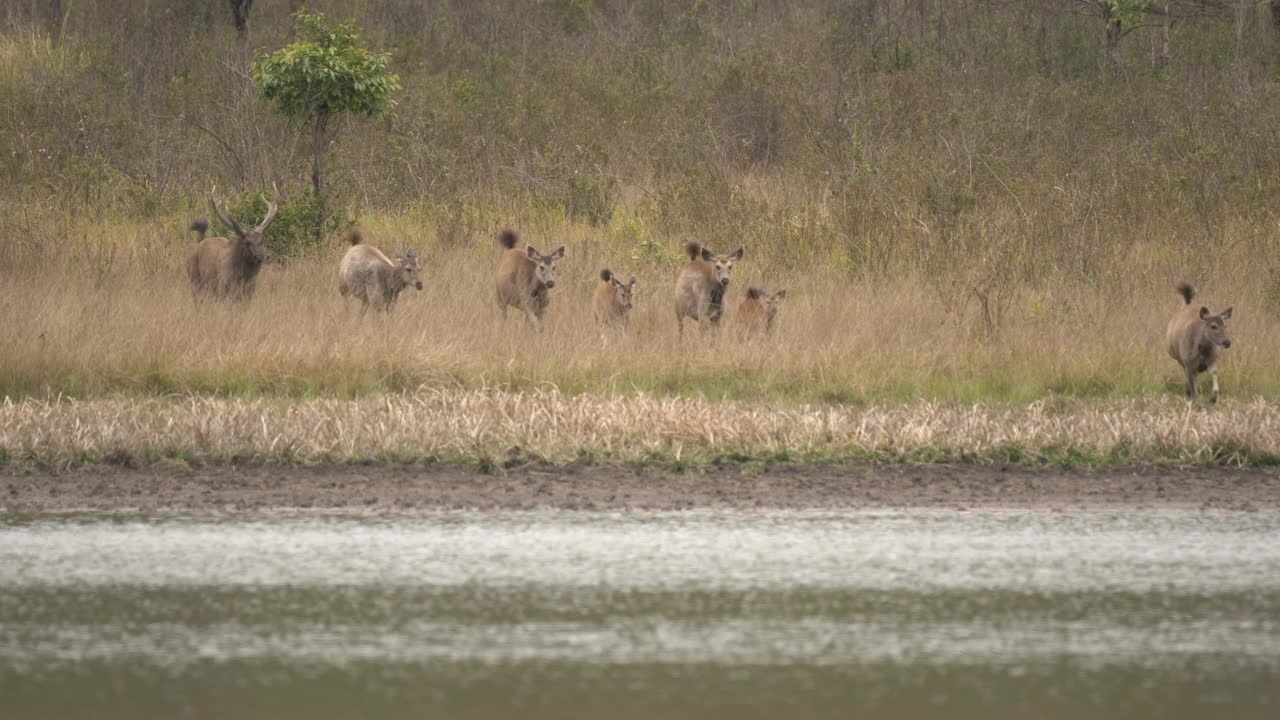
[(1191, 384), (1213, 373)]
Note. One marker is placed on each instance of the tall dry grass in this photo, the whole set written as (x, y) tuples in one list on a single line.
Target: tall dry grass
[(495, 427), (122, 320)]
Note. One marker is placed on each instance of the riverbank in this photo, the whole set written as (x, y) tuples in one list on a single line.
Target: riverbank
[(580, 487)]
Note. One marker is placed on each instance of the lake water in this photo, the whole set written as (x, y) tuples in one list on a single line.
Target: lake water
[(1171, 614)]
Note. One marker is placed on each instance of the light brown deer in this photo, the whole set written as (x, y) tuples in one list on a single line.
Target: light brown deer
[(372, 277), (612, 299), (223, 267), (525, 278), (756, 312), (701, 285), (1196, 339)]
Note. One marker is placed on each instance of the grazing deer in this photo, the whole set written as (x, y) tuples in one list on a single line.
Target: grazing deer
[(612, 299), (369, 275), (224, 267), (758, 309), (1196, 339), (701, 286), (525, 278)]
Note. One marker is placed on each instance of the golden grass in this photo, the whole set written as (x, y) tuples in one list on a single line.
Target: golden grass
[(114, 315), (491, 426)]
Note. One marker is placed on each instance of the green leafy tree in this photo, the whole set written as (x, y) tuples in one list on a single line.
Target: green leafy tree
[(323, 73)]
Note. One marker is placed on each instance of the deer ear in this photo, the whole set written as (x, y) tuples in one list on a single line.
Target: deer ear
[(533, 254), (1204, 312), (738, 255), (708, 255), (1226, 314), (559, 253), (781, 294), (633, 282)]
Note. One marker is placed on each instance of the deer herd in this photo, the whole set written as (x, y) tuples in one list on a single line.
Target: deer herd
[(228, 267)]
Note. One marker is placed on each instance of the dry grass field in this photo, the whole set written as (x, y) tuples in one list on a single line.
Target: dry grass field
[(122, 366), (134, 328)]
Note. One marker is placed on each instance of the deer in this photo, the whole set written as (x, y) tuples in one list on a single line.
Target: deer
[(1196, 339), (525, 278), (756, 312), (366, 273), (701, 285), (612, 299), (227, 267)]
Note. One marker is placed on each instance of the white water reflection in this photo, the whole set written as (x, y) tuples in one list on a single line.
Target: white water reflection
[(1185, 552), (740, 642)]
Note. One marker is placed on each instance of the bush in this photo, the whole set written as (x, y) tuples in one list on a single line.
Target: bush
[(293, 232), (589, 197)]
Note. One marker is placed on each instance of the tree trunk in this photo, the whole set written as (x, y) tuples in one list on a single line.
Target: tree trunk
[(942, 23), (921, 16), (1241, 11), (55, 20), (1115, 33), (240, 16), (1166, 31), (294, 7), (319, 129)]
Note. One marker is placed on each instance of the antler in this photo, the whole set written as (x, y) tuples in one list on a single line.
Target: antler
[(271, 210), (224, 217)]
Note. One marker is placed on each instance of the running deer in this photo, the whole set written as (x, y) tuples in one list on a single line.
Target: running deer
[(1196, 340), (224, 267), (525, 278), (374, 278), (758, 309), (701, 286), (612, 300)]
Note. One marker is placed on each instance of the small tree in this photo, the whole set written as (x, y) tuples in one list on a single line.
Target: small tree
[(322, 74), (1122, 17)]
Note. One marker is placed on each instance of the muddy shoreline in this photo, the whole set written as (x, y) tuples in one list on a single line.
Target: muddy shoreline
[(390, 488)]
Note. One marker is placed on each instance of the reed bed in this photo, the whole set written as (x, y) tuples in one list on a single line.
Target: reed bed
[(495, 428)]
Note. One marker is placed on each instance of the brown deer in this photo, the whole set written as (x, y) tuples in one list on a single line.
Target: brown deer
[(372, 277), (223, 267), (612, 299), (525, 278), (756, 312), (1196, 339), (701, 286)]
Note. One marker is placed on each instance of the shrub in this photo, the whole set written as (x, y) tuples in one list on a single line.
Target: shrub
[(293, 232)]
